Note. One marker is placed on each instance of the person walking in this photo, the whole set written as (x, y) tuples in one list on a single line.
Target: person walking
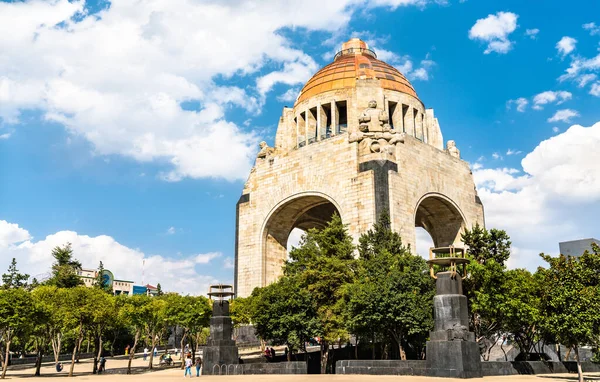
[(188, 367), (145, 353), (198, 366)]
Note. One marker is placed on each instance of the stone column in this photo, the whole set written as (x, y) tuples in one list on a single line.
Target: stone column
[(297, 131), (333, 119), (306, 126), (318, 122), (451, 349), (220, 350)]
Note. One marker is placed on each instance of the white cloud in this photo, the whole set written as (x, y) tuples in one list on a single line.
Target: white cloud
[(550, 97), (584, 79), (592, 28), (513, 152), (171, 231), (532, 33), (566, 45), (497, 156), (555, 129), (564, 115), (595, 90), (5, 136), (289, 96), (228, 263), (118, 78), (34, 257), (554, 199), (494, 30), (520, 102)]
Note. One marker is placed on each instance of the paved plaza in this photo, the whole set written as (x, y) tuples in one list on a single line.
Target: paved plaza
[(83, 372)]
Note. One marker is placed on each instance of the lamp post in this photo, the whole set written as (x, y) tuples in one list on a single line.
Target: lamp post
[(220, 351), (451, 350)]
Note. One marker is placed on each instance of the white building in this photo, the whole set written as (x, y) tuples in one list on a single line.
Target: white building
[(118, 286)]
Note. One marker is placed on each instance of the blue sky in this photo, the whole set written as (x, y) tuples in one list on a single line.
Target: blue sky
[(129, 129)]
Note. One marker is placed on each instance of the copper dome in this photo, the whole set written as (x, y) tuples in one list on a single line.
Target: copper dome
[(355, 61)]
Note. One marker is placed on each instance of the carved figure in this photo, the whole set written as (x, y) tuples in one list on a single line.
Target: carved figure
[(459, 332), (374, 132), (452, 149), (265, 150), (373, 120)]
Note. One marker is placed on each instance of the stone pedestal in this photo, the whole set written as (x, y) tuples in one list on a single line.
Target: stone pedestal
[(452, 350), (220, 349)]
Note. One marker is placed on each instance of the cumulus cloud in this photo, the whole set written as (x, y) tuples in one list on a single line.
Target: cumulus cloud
[(585, 79), (564, 115), (171, 231), (495, 30), (521, 104), (118, 77), (404, 63), (513, 152), (289, 96), (532, 33), (34, 257), (554, 198), (595, 90), (592, 28), (566, 45), (547, 97), (228, 263)]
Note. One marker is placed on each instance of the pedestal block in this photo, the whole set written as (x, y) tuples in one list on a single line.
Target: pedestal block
[(220, 349), (452, 350)]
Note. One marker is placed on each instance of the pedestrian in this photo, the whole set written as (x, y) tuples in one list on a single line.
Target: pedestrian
[(198, 366), (188, 367), (155, 351), (59, 367), (127, 349), (102, 366), (268, 354), (145, 352), (273, 354)]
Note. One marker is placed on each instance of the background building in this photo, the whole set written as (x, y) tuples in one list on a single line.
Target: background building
[(125, 287), (577, 247)]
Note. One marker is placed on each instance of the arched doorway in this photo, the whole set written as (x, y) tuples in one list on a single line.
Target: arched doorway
[(304, 212), (441, 218)]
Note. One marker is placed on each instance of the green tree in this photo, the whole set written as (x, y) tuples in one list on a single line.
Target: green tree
[(485, 284), (324, 264), (521, 310), (104, 313), (78, 313), (393, 295), (47, 323), (15, 317), (135, 312), (159, 291), (570, 300), (100, 282), (240, 310), (285, 314), (64, 268), (14, 279), (155, 323)]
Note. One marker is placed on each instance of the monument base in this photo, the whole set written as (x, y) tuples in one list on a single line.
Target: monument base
[(453, 359), (214, 358)]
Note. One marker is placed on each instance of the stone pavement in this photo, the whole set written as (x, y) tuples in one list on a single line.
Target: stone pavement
[(83, 372)]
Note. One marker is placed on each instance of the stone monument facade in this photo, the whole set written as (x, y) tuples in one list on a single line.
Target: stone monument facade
[(220, 352), (358, 141)]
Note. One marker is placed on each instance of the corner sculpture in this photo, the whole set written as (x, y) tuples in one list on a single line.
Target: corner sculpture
[(451, 350), (220, 351)]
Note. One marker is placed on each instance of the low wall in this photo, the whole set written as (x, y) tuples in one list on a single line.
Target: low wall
[(261, 368), (397, 367), (47, 358)]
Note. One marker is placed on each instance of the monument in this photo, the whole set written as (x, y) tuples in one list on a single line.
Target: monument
[(220, 352), (451, 350), (358, 141)]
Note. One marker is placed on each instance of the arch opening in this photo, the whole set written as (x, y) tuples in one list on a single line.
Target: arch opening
[(285, 224), (441, 219)]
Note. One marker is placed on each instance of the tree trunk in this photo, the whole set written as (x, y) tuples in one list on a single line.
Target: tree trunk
[(324, 356), (373, 348), (7, 354), (38, 360), (98, 353), (579, 370), (503, 351), (56, 345), (132, 350), (356, 349), (152, 351), (182, 357), (568, 354), (75, 350)]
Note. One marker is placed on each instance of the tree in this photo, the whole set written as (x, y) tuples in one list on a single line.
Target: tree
[(485, 284), (240, 310), (14, 279), (570, 300), (324, 264), (155, 322), (64, 268), (15, 316), (393, 294), (159, 291), (100, 282), (51, 300), (104, 313), (78, 312), (285, 313), (135, 312)]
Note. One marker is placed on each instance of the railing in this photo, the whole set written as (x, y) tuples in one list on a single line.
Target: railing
[(354, 50)]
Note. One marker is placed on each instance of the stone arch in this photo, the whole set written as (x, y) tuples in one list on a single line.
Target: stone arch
[(304, 211), (441, 218)]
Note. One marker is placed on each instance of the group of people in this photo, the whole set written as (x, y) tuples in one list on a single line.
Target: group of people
[(270, 354), (189, 363)]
